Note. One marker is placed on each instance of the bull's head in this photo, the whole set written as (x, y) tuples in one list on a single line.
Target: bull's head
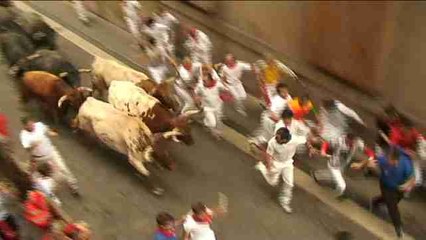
[(181, 126), (75, 98), (164, 92)]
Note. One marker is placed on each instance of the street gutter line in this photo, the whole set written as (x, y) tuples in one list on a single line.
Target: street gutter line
[(378, 227)]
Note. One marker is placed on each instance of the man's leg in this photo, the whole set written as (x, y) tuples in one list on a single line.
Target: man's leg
[(392, 198), (240, 97), (338, 179), (272, 176), (286, 193), (265, 131), (63, 172)]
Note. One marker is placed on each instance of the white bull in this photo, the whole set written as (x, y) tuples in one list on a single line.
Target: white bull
[(125, 134)]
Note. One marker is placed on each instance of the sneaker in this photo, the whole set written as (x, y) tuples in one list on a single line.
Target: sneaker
[(287, 208), (258, 166)]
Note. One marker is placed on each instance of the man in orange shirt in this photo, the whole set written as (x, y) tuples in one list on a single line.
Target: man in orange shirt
[(301, 107)]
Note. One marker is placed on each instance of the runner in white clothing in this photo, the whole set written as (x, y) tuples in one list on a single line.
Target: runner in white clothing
[(34, 138), (270, 117), (279, 162), (296, 127), (231, 73), (131, 10), (197, 223), (81, 11), (199, 46), (208, 96), (166, 18), (160, 33), (188, 78)]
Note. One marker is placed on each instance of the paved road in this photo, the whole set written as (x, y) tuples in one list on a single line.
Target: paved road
[(118, 43), (118, 206)]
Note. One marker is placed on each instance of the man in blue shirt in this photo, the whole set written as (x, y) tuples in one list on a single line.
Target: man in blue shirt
[(396, 177)]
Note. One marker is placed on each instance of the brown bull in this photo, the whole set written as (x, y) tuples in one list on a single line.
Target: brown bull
[(52, 92)]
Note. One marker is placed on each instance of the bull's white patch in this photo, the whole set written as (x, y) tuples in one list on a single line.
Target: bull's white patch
[(127, 97)]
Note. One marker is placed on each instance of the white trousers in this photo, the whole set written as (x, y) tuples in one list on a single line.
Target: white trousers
[(134, 26), (213, 117), (239, 94), (185, 98), (336, 175), (418, 172), (81, 10), (272, 178), (61, 172)]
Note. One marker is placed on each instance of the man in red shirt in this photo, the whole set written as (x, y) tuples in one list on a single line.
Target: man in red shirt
[(407, 137)]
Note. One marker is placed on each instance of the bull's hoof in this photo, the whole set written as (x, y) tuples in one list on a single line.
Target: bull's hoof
[(158, 191)]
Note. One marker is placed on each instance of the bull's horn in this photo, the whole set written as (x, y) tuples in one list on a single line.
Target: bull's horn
[(84, 70), (147, 154), (34, 56), (63, 74), (85, 89), (190, 113), (172, 134), (62, 100), (170, 80)]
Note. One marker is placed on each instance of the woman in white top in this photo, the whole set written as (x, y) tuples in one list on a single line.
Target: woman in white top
[(231, 73)]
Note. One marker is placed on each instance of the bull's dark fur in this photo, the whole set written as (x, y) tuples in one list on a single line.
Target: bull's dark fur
[(15, 46), (41, 34), (51, 62)]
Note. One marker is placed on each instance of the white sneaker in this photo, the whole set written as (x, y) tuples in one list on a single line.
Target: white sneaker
[(287, 208), (259, 166)]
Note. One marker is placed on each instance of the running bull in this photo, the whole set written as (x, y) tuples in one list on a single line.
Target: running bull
[(52, 92), (15, 46), (52, 62), (105, 71), (128, 98), (122, 133)]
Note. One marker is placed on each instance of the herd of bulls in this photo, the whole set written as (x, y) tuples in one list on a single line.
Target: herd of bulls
[(124, 109)]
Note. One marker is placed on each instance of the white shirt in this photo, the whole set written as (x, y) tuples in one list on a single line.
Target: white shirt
[(296, 128), (282, 154), (202, 42), (166, 18), (233, 75), (188, 77), (343, 153), (130, 9), (279, 104), (198, 231), (38, 137), (210, 97), (157, 31)]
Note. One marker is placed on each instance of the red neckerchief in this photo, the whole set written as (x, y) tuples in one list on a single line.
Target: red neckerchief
[(167, 233), (211, 85), (231, 65), (207, 220)]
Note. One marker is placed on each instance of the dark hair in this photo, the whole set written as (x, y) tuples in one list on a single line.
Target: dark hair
[(164, 218), (284, 134), (152, 41), (406, 122), (150, 21), (25, 120), (344, 235), (45, 169), (280, 85), (287, 113), (198, 208), (329, 104)]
